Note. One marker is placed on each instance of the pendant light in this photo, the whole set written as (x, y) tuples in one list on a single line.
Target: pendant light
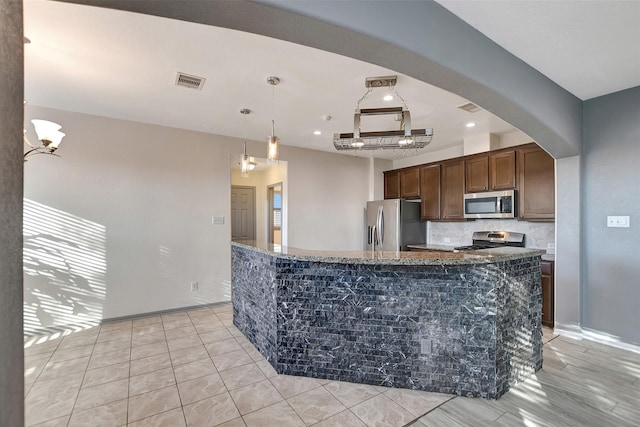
[(272, 140), (246, 164), (404, 139)]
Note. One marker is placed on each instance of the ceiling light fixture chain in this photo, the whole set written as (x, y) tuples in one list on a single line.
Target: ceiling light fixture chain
[(404, 103), (366, 94)]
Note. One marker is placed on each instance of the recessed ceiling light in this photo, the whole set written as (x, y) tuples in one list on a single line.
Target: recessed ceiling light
[(317, 132), (470, 124), (388, 97)]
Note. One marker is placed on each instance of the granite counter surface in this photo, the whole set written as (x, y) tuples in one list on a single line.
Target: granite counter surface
[(445, 257)]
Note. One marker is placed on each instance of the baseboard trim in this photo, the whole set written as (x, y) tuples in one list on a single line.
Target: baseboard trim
[(64, 330), (161, 312), (579, 333)]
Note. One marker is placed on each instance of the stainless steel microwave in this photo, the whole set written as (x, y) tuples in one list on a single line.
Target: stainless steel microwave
[(492, 204)]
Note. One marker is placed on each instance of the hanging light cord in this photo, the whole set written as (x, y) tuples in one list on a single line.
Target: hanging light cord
[(273, 110), (244, 119)]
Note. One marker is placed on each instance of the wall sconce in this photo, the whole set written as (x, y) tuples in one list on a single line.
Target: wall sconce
[(49, 136)]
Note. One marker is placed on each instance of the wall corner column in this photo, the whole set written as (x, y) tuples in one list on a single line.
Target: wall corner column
[(568, 266), (11, 192)]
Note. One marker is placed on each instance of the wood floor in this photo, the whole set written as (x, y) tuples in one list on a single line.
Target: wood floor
[(582, 383)]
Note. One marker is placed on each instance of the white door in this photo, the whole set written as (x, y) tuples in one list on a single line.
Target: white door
[(243, 213)]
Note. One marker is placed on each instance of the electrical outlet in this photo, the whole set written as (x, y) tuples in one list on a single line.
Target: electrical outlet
[(447, 240), (194, 286), (618, 221)]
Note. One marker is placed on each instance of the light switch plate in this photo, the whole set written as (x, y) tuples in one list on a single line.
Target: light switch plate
[(217, 220), (618, 221)]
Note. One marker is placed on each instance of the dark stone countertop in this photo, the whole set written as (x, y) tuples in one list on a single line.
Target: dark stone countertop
[(483, 256)]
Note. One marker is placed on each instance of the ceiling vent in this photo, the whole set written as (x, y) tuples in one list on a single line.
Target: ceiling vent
[(469, 107), (192, 82)]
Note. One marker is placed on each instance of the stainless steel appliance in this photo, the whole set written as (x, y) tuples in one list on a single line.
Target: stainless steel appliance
[(393, 224), (494, 239), (491, 204)]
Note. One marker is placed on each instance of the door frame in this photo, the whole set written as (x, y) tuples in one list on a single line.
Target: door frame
[(270, 207)]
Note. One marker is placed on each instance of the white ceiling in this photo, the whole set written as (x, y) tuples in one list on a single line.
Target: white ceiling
[(123, 65), (590, 48)]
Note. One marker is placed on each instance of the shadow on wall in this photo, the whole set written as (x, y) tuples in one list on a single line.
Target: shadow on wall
[(64, 264)]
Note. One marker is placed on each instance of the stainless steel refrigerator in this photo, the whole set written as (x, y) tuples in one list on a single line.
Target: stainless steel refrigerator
[(393, 224)]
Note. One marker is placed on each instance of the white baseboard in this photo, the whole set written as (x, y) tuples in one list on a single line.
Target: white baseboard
[(579, 333), (571, 330)]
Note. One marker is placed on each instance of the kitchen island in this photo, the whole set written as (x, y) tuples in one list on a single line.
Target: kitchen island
[(461, 323)]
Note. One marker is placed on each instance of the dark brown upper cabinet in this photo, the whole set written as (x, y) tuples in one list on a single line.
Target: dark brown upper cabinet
[(536, 184), (492, 172), (502, 170), (452, 191), (430, 192), (410, 183), (392, 184), (477, 174), (441, 185)]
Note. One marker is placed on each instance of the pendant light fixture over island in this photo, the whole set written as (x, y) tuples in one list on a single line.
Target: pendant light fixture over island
[(272, 140)]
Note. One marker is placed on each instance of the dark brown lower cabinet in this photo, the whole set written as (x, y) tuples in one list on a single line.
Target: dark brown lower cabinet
[(548, 301)]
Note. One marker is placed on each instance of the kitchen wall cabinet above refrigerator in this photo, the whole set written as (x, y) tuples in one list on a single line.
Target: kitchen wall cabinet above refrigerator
[(402, 183)]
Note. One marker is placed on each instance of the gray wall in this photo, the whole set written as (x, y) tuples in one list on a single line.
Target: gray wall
[(11, 90), (611, 285)]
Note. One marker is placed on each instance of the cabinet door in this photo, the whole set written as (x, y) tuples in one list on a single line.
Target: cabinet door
[(502, 171), (430, 192), (392, 185), (536, 184), (548, 303), (477, 174), (410, 183), (452, 196)]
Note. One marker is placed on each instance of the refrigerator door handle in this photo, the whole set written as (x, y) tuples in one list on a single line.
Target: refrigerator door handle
[(380, 225)]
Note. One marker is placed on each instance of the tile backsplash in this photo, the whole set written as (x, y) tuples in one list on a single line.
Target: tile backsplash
[(538, 234)]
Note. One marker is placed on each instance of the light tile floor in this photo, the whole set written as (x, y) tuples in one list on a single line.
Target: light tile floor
[(194, 368)]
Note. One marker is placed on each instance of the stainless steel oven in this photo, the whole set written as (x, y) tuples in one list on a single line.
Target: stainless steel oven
[(492, 204)]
